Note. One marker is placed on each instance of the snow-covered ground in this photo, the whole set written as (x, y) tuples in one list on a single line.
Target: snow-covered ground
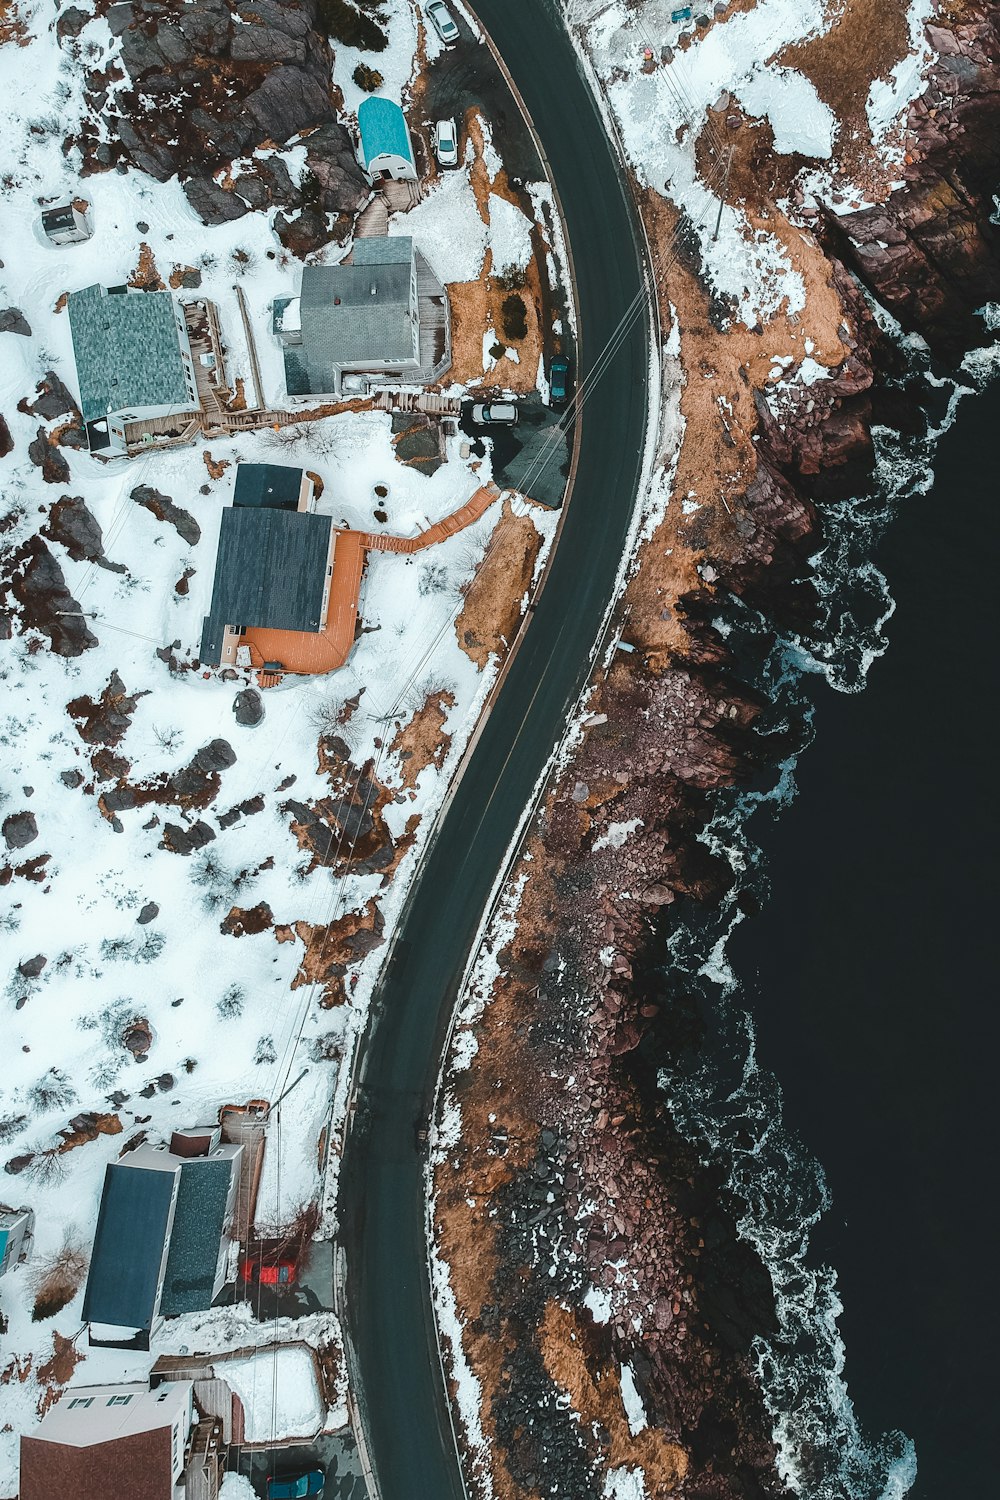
[(226, 1023), (660, 116)]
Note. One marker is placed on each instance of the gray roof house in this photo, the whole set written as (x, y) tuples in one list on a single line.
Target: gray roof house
[(161, 1244), (133, 361), (382, 314)]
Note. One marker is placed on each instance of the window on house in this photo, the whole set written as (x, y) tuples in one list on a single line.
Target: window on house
[(119, 1400), (81, 1401)]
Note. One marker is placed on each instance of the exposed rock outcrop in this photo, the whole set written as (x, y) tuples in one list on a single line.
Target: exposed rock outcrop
[(164, 509), (931, 252), (71, 524), (210, 83), (35, 580)]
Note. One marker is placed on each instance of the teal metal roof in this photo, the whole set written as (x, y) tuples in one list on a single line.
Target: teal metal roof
[(383, 130), (132, 1225), (127, 351), (4, 1237), (199, 1219)]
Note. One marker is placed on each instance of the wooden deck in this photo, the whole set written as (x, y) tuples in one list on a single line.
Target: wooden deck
[(301, 653)]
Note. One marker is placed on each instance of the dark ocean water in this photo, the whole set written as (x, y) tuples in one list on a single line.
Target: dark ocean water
[(871, 976)]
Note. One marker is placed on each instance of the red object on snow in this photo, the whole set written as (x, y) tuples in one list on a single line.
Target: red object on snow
[(268, 1273)]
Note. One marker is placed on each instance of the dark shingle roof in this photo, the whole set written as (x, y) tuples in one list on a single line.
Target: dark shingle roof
[(199, 1219), (137, 1467), (353, 315), (272, 486), (127, 351), (269, 573), (128, 1246)]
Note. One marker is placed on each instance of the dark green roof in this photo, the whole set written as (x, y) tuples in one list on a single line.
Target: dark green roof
[(269, 574), (132, 1229), (270, 486), (127, 351), (199, 1219)]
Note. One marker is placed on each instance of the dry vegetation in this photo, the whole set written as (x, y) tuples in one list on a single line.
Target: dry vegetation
[(491, 613)]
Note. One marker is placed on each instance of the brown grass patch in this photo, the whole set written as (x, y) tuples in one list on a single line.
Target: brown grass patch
[(491, 613), (215, 466), (146, 276), (865, 42), (57, 1371), (594, 1386), (56, 1282), (419, 742)]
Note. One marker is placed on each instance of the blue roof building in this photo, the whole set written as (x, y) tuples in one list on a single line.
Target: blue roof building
[(161, 1243), (386, 149)]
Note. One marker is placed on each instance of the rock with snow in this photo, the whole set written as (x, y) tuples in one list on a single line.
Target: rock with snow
[(55, 469), (186, 840), (164, 509), (32, 967), (71, 524), (12, 320), (248, 708), (149, 911), (19, 830), (35, 580)]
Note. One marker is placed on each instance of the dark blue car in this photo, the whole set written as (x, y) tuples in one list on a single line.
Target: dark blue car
[(558, 381), (295, 1486)]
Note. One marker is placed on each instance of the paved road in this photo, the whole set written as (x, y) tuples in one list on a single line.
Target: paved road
[(382, 1202)]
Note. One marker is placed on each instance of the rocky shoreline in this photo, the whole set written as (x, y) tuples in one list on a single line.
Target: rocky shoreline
[(601, 1240)]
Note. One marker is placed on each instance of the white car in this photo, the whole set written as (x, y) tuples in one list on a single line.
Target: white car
[(446, 143), (497, 414), (443, 22)]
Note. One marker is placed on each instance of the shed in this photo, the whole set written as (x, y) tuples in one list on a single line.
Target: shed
[(15, 1236), (67, 223), (386, 148)]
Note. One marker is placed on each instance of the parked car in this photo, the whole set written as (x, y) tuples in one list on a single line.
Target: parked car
[(295, 1486), (443, 22), (558, 381), (268, 1272), (446, 143), (496, 414)]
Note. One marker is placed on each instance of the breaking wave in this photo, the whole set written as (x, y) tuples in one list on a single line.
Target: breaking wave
[(719, 1095)]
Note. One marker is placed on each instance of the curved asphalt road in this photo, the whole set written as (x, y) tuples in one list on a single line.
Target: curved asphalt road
[(382, 1197)]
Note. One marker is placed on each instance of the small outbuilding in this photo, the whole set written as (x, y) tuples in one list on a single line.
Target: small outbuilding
[(15, 1236), (67, 223), (386, 150)]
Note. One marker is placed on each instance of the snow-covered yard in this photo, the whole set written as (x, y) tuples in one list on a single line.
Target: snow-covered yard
[(225, 1022)]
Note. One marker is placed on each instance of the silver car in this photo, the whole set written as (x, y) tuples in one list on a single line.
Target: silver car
[(443, 22), (446, 143), (496, 414)]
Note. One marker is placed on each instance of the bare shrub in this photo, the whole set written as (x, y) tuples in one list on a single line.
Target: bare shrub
[(57, 1281)]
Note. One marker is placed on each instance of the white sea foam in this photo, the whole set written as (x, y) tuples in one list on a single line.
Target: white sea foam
[(723, 1100)]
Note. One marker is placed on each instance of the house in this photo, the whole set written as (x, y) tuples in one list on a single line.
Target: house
[(133, 361), (385, 149), (67, 223), (16, 1227), (110, 1442), (274, 567), (383, 314), (161, 1247)]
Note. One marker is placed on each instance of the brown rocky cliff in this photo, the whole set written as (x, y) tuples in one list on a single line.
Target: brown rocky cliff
[(931, 253)]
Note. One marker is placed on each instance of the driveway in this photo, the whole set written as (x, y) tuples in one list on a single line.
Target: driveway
[(533, 456)]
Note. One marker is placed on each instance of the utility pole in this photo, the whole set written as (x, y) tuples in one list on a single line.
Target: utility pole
[(722, 195)]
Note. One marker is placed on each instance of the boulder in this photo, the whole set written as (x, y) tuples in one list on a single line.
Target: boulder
[(36, 581), (71, 524), (186, 840), (164, 509), (71, 21), (211, 203), (55, 469), (32, 967), (148, 912), (19, 829), (248, 708), (12, 320), (330, 158)]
